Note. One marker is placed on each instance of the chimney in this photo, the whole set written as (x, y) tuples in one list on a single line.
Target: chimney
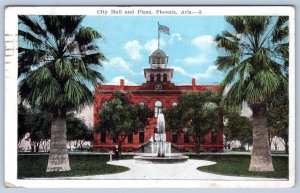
[(193, 84), (121, 84)]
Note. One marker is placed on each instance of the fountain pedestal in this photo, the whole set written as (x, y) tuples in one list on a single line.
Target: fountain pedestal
[(160, 149), (160, 139)]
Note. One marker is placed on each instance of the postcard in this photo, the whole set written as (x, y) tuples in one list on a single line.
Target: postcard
[(150, 97)]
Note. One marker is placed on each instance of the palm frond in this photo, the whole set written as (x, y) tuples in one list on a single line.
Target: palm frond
[(39, 76), (30, 38), (256, 25), (33, 26), (86, 36), (280, 34), (64, 68), (94, 58), (226, 62), (53, 25), (226, 44), (237, 23)]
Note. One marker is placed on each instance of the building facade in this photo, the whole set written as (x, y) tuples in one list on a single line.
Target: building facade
[(158, 92)]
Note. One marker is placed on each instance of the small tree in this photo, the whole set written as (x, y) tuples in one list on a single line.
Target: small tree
[(119, 117), (77, 131), (278, 116), (196, 114), (38, 124), (238, 128)]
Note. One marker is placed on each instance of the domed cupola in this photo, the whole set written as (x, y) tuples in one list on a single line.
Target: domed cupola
[(158, 59)]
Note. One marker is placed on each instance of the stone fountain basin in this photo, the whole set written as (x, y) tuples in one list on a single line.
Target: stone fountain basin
[(169, 158)]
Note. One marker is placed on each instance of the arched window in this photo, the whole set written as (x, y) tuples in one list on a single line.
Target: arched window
[(174, 104), (158, 77), (158, 108), (165, 77), (151, 77)]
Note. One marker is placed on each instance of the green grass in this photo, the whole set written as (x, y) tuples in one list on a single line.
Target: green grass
[(81, 165), (237, 165)]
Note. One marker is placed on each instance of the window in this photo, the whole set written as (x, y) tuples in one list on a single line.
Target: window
[(130, 138), (141, 133), (174, 138), (141, 136), (158, 77), (165, 77), (158, 87), (103, 137), (213, 136), (158, 60), (174, 104), (151, 77), (186, 138), (158, 108), (153, 60), (114, 138)]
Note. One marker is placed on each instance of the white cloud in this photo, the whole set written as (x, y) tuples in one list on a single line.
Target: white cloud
[(120, 64), (205, 45), (175, 37), (211, 70), (195, 60), (203, 42), (152, 45), (116, 81), (133, 49), (181, 70)]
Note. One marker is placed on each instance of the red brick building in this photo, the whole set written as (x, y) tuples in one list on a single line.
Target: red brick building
[(157, 92)]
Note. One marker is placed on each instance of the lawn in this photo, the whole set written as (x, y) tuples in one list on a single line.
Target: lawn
[(81, 165), (237, 165)]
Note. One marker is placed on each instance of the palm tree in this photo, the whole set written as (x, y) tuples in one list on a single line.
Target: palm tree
[(254, 54), (57, 61)]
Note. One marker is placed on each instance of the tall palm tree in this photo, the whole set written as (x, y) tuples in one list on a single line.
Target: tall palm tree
[(57, 61), (254, 54)]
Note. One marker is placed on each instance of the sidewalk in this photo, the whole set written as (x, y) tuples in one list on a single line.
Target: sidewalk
[(143, 170)]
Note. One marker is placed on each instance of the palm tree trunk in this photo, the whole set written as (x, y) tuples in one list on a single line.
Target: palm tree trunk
[(58, 158), (261, 159)]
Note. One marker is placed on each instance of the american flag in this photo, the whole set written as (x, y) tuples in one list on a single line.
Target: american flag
[(164, 29)]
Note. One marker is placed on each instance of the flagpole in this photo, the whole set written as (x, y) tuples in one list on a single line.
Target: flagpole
[(158, 36)]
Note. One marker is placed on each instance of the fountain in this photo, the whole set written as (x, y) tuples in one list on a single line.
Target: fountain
[(160, 148)]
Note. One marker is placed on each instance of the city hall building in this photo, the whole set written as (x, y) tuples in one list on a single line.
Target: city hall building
[(158, 92)]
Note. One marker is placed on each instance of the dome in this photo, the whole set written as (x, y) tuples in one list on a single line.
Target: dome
[(158, 59), (158, 53)]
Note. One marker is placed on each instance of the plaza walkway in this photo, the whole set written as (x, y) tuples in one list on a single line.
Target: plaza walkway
[(175, 171)]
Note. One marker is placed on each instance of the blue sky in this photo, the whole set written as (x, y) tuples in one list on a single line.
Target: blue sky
[(129, 40)]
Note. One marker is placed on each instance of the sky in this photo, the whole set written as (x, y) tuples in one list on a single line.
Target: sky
[(128, 41)]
